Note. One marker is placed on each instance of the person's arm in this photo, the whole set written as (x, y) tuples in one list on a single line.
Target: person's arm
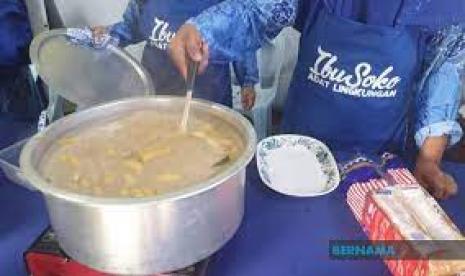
[(438, 105), (437, 126), (237, 26), (428, 168), (127, 30), (246, 72), (231, 28)]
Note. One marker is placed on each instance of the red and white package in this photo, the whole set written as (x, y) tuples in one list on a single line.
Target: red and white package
[(357, 193), (409, 213), (399, 209)]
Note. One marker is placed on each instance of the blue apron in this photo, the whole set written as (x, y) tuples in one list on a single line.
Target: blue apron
[(159, 22), (353, 84)]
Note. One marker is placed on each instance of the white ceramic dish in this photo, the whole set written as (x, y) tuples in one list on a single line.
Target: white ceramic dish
[(297, 165)]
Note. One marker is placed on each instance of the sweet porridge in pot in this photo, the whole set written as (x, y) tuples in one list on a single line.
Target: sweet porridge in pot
[(141, 155)]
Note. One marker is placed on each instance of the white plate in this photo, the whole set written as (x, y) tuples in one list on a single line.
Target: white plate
[(297, 166)]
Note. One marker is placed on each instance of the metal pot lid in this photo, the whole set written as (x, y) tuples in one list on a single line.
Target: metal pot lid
[(86, 75)]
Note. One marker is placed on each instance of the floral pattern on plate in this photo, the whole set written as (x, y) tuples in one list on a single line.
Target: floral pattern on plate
[(322, 153)]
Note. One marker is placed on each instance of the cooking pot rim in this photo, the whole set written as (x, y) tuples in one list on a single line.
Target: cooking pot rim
[(36, 180)]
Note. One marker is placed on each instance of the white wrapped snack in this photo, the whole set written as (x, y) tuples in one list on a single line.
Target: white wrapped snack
[(405, 223), (395, 210), (411, 214), (427, 213)]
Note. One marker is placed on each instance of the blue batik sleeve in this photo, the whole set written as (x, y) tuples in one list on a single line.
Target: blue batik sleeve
[(234, 27), (127, 30), (246, 70)]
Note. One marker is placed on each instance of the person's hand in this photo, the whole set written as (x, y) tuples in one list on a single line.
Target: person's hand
[(248, 96), (428, 171), (432, 178), (188, 44), (99, 34)]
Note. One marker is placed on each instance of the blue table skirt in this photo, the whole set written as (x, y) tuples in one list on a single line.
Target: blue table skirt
[(22, 213), (280, 235), (22, 218)]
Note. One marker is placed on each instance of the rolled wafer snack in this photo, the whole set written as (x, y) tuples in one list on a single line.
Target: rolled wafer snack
[(427, 213)]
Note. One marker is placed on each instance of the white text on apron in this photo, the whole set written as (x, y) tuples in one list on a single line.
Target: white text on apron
[(161, 36), (362, 83)]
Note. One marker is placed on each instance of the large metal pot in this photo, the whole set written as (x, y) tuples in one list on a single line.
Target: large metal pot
[(148, 235)]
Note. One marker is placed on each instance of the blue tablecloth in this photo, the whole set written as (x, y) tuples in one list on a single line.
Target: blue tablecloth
[(280, 235), (289, 236)]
